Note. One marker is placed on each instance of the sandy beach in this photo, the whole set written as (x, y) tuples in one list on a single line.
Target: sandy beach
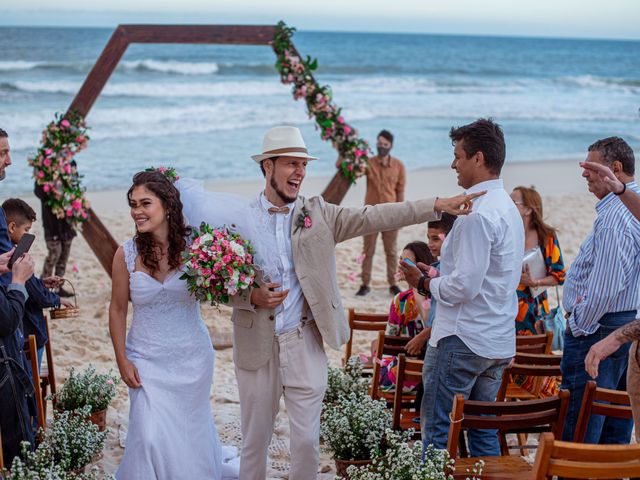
[(80, 341)]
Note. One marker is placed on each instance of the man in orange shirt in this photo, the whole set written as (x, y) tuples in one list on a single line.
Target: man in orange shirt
[(385, 184)]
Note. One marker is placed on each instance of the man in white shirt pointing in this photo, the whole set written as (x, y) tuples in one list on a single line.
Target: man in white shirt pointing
[(473, 335)]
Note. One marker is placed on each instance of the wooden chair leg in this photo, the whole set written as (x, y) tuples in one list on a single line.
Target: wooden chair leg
[(1, 457), (33, 353), (522, 440)]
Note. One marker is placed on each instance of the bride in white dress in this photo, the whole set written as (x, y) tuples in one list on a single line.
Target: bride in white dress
[(167, 357)]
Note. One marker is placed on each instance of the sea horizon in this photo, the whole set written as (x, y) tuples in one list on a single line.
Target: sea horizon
[(204, 108)]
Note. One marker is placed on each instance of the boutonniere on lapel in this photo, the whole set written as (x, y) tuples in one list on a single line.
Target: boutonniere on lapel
[(304, 219)]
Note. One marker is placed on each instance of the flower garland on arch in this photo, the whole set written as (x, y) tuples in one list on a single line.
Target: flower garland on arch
[(353, 151), (55, 170)]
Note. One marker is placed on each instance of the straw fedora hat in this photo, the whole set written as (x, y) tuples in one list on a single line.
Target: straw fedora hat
[(283, 141)]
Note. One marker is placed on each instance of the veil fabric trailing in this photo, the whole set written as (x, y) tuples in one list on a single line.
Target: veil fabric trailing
[(238, 213)]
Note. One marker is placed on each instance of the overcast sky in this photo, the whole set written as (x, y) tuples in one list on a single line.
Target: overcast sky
[(554, 18)]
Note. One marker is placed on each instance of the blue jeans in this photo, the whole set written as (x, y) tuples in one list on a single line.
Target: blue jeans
[(612, 373), (449, 369)]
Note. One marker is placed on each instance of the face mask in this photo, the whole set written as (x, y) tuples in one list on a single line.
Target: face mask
[(383, 151)]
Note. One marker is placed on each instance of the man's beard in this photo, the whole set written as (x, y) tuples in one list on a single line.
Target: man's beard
[(3, 173), (283, 196)]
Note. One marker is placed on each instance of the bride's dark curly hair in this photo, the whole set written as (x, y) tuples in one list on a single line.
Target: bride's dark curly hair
[(169, 195)]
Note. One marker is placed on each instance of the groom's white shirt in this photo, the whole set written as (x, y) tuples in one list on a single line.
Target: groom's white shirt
[(289, 314)]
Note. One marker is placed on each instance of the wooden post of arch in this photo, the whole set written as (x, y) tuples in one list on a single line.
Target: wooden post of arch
[(95, 233)]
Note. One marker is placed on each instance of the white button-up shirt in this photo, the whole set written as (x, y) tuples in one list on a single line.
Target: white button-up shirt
[(480, 269), (289, 313)]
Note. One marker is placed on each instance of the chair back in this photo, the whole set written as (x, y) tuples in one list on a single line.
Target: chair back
[(1, 456), (580, 460), (369, 322), (51, 374), (387, 345), (534, 343), (529, 416), (31, 351), (536, 365), (601, 401), (408, 370)]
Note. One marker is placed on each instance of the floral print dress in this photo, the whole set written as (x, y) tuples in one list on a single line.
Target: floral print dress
[(531, 310), (404, 320)]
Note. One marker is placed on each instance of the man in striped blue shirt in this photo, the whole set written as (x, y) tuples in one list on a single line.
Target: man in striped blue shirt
[(601, 291)]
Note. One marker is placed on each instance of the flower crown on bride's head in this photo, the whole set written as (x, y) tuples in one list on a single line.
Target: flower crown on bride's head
[(169, 172)]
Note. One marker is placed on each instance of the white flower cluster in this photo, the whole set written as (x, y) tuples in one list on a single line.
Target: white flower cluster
[(73, 439), (346, 380), (87, 388), (353, 426), (69, 445), (398, 459)]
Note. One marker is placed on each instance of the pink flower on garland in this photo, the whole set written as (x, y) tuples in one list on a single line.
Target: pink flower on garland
[(65, 123)]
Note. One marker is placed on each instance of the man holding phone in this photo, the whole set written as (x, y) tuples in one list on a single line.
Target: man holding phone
[(17, 389), (20, 217), (472, 337)]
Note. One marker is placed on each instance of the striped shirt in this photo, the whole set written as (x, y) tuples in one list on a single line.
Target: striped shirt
[(605, 276)]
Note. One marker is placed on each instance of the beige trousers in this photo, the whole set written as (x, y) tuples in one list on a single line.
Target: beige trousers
[(298, 370), (389, 240), (633, 385)]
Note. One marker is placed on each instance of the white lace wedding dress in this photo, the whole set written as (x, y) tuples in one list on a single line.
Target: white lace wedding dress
[(171, 431)]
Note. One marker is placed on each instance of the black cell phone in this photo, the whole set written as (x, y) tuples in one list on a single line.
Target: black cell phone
[(23, 247)]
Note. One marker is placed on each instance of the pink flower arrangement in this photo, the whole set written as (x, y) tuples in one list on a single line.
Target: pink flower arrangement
[(54, 171), (169, 172), (218, 264), (296, 71)]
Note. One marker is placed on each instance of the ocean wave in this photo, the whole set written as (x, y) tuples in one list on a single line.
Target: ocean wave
[(171, 66), (155, 89), (271, 86), (6, 66), (592, 81), (148, 65)]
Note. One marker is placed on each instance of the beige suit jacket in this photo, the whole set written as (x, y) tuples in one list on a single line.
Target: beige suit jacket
[(315, 265)]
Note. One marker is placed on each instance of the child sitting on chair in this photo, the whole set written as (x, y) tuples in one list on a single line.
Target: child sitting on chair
[(20, 218), (407, 317)]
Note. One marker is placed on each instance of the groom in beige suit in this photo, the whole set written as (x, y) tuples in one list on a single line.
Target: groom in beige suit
[(280, 327)]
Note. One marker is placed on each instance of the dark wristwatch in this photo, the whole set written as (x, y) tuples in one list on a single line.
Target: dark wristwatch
[(421, 290)]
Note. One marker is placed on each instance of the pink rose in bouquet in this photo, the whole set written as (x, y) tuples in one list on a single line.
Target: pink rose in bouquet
[(219, 264)]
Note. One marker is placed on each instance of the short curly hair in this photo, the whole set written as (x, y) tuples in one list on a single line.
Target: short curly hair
[(3, 134), (615, 148)]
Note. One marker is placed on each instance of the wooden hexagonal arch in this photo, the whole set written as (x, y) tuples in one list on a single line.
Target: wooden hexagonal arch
[(95, 233)]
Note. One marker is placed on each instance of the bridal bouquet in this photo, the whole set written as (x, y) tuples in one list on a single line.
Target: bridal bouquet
[(219, 264)]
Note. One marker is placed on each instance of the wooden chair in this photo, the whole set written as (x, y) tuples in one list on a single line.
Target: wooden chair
[(580, 460), (368, 322), (601, 401), (31, 352), (534, 365), (1, 457), (405, 412), (47, 372), (534, 343), (389, 345), (529, 416)]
